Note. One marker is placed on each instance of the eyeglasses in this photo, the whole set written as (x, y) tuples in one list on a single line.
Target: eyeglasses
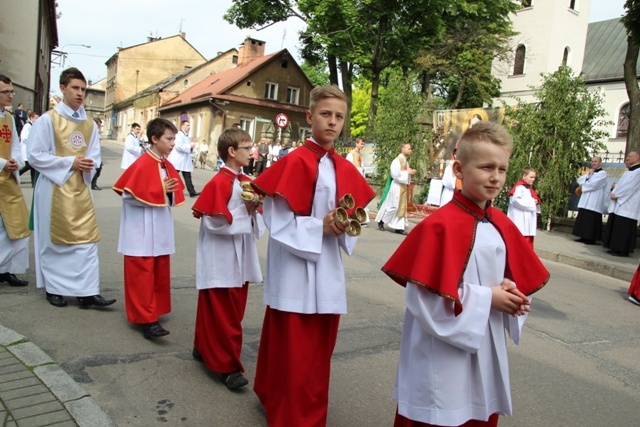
[(8, 92), (244, 148)]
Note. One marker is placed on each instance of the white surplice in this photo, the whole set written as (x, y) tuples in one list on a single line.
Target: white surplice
[(227, 254), (180, 156), (132, 150), (523, 211), (454, 368), (389, 209), (14, 254), (304, 267), (69, 270), (594, 191), (627, 192), (448, 184)]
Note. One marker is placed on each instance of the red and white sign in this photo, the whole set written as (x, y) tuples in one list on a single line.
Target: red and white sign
[(282, 120)]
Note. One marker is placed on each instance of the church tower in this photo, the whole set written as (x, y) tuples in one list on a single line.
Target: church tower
[(551, 33)]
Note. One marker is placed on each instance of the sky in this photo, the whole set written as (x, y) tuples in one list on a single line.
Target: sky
[(120, 23)]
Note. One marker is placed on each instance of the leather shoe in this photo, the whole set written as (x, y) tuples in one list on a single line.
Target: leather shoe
[(401, 232), (12, 280), (381, 226), (197, 356), (234, 380), (153, 330), (95, 187), (96, 300), (197, 193), (56, 300)]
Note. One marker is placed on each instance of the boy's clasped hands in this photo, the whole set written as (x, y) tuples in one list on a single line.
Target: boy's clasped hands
[(508, 299)]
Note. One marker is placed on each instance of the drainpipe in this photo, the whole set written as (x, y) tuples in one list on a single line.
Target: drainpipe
[(224, 116)]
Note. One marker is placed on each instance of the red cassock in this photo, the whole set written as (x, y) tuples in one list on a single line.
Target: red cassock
[(218, 330), (634, 288), (441, 244), (294, 358), (147, 279)]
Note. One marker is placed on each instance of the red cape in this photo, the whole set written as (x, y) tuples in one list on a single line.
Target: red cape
[(143, 180), (436, 252), (293, 175), (215, 196), (533, 192)]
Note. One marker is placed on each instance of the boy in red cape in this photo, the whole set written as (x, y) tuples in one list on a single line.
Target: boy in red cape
[(524, 205), (226, 260), (467, 271), (149, 187), (304, 288)]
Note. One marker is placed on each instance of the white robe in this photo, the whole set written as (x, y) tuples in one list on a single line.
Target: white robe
[(132, 150), (627, 192), (594, 191), (454, 368), (14, 254), (361, 170), (448, 184), (304, 267), (523, 211), (227, 255), (180, 156), (24, 137), (389, 209), (70, 270)]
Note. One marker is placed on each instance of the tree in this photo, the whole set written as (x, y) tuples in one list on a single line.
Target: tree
[(632, 23), (361, 98), (317, 74), (400, 104), (555, 136)]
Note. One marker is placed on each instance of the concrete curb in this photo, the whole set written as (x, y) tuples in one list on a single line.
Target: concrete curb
[(596, 267), (81, 407)]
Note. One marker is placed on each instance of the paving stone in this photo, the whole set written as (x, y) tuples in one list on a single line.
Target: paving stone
[(64, 424), (14, 367), (88, 413), (4, 354), (18, 375), (60, 383), (8, 361), (44, 419), (24, 382), (8, 336), (30, 354), (41, 409), (22, 392), (35, 399)]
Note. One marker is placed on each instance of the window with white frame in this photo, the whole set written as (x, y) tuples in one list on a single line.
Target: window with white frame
[(566, 56), (304, 133), (246, 125), (271, 90), (293, 95), (518, 64), (623, 121), (573, 4)]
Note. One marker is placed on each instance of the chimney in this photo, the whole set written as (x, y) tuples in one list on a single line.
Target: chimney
[(183, 35), (250, 50)]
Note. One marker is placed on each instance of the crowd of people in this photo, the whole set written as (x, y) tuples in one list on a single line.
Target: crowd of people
[(468, 269)]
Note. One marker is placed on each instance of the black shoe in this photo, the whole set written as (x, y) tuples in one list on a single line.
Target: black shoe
[(56, 300), (381, 226), (153, 330), (95, 187), (580, 240), (96, 300), (234, 380), (616, 253), (401, 232), (197, 193), (12, 280), (197, 356)]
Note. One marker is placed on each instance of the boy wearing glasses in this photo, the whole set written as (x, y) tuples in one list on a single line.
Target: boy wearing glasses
[(14, 216), (226, 261)]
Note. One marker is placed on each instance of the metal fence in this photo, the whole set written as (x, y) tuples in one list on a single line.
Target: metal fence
[(608, 157)]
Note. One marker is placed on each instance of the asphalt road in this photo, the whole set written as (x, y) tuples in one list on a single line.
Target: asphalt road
[(578, 363)]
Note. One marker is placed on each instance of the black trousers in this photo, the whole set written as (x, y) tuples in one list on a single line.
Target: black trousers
[(31, 170), (187, 181), (94, 180)]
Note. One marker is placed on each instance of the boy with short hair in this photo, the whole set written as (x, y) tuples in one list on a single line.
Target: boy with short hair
[(64, 147), (524, 205), (304, 287), (226, 260), (466, 268), (149, 188)]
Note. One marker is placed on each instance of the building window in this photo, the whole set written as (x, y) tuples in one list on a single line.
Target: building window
[(304, 133), (572, 4), (623, 121), (293, 95), (526, 3), (518, 66), (565, 56), (245, 125), (234, 59), (271, 90)]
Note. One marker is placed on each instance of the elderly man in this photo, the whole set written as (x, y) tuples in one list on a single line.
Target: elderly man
[(624, 210), (588, 226)]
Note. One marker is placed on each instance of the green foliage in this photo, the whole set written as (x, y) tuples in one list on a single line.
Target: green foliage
[(421, 197), (555, 136), (631, 20), (317, 74), (360, 101), (396, 123)]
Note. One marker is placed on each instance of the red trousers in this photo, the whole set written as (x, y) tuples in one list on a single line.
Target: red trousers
[(401, 421), (294, 366), (634, 288), (218, 336), (147, 287)]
